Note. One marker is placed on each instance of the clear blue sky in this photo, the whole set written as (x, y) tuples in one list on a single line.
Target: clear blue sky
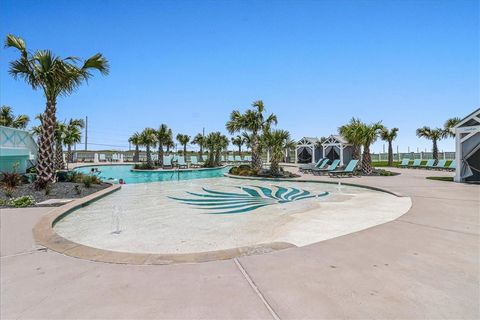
[(314, 63)]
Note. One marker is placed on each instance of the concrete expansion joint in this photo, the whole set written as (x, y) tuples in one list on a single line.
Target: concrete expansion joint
[(255, 289)]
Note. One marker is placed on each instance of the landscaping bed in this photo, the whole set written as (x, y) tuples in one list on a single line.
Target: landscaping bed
[(247, 171)]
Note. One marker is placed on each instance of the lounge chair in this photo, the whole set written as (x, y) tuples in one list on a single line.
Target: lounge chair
[(404, 163), (321, 171), (194, 162), (238, 159), (167, 162), (311, 166), (248, 158), (428, 165), (440, 165), (181, 162), (416, 163), (452, 166), (347, 172)]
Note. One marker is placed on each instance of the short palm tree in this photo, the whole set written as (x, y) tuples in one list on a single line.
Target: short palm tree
[(351, 132), (253, 121), (183, 139), (222, 144), (199, 140), (163, 136), (215, 142), (449, 124), (276, 141), (136, 140), (389, 136), (238, 141), (8, 119), (432, 134), (55, 77), (369, 134), (73, 135), (148, 139)]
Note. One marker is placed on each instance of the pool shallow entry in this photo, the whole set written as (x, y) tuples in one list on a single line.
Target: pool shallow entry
[(172, 217), (251, 198)]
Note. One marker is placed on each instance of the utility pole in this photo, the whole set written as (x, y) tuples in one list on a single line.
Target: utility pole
[(86, 133)]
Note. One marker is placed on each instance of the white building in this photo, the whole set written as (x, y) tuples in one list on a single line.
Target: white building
[(467, 148)]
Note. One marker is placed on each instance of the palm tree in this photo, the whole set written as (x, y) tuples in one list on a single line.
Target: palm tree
[(73, 135), (163, 136), (369, 134), (389, 136), (136, 140), (184, 140), (276, 141), (432, 134), (252, 121), (55, 77), (238, 141), (215, 142), (8, 119), (148, 139), (351, 132), (199, 140), (169, 144), (60, 131), (222, 144), (449, 124)]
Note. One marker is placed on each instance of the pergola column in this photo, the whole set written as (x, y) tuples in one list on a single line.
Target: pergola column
[(313, 154), (340, 147)]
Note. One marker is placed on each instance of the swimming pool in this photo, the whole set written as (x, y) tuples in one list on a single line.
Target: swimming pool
[(119, 171)]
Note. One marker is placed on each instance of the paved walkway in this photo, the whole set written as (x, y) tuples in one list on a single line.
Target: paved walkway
[(423, 265)]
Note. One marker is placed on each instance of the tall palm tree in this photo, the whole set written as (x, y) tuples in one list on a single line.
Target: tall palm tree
[(351, 132), (238, 141), (55, 77), (8, 119), (183, 139), (73, 135), (148, 139), (449, 124), (252, 121), (276, 141), (199, 140), (163, 136), (389, 136), (136, 140), (369, 134), (432, 134)]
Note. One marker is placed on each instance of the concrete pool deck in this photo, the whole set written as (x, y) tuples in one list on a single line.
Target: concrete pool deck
[(423, 265)]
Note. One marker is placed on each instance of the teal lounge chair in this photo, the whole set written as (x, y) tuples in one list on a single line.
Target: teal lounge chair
[(439, 165), (347, 172), (238, 159), (452, 166), (194, 162), (416, 163), (428, 165), (310, 166), (404, 163), (181, 162), (330, 168), (167, 162)]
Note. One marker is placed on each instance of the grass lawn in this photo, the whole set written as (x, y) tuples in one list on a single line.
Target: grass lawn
[(448, 179)]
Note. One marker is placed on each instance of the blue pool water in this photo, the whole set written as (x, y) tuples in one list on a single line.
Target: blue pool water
[(124, 172)]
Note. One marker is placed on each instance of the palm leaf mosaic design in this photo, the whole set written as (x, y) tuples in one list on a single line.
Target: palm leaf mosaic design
[(251, 198)]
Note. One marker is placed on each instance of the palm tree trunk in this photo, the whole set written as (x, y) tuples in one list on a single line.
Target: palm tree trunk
[(136, 156), (45, 163), (274, 167), (149, 157), (160, 154), (256, 159), (435, 150), (366, 161), (200, 154), (390, 153), (240, 150), (211, 159), (69, 154), (59, 163), (356, 152), (185, 151)]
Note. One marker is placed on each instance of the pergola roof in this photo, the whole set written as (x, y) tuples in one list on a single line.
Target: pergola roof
[(335, 140), (473, 119), (307, 141)]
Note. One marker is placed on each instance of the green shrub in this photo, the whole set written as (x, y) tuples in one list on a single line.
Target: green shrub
[(74, 176), (11, 179), (88, 180), (62, 175), (8, 192), (48, 189), (3, 202), (32, 170), (22, 202), (143, 166)]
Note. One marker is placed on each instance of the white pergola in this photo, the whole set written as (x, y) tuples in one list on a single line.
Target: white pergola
[(306, 142), (467, 143), (336, 141)]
